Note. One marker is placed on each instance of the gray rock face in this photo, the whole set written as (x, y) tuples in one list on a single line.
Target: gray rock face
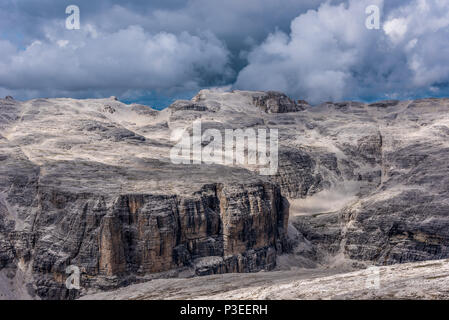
[(276, 102), (401, 215), (131, 235), (90, 183), (81, 185)]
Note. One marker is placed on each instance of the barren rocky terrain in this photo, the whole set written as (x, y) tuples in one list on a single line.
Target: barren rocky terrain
[(418, 280), (90, 183)]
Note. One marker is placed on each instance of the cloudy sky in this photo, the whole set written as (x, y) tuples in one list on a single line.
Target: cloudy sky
[(154, 51)]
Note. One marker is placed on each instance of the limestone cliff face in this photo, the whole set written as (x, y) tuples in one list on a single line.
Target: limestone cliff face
[(129, 236), (397, 154), (120, 239)]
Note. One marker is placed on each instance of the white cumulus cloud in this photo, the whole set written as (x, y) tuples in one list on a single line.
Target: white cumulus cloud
[(329, 54), (127, 59)]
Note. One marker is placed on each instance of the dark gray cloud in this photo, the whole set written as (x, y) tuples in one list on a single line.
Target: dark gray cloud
[(139, 48), (145, 50)]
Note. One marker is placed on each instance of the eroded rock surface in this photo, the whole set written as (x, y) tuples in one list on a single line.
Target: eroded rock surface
[(411, 281), (90, 183), (277, 102)]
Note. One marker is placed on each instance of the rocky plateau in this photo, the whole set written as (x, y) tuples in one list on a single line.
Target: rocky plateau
[(90, 183)]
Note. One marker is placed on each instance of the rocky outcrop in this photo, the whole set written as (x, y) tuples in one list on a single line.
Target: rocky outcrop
[(297, 175), (184, 105), (124, 237), (401, 214), (276, 102)]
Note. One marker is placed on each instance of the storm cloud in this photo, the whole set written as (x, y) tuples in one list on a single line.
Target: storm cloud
[(144, 50), (329, 54)]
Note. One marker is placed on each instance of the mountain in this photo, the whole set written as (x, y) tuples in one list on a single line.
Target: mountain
[(94, 184)]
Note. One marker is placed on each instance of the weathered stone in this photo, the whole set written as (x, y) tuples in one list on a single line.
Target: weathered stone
[(81, 185), (276, 102)]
